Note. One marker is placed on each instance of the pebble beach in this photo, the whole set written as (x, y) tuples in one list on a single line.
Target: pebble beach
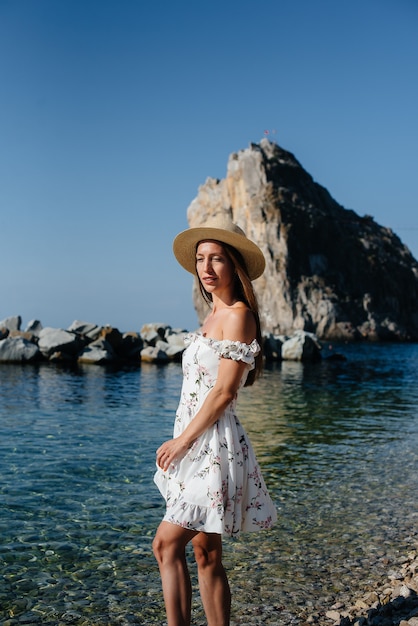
[(370, 600)]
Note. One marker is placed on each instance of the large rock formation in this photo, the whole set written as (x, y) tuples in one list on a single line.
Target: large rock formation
[(329, 271)]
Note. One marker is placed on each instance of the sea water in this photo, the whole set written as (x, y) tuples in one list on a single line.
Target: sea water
[(337, 442)]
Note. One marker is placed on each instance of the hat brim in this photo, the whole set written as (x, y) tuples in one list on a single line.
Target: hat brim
[(185, 244)]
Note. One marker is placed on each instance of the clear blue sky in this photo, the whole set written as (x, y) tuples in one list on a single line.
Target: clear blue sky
[(113, 112)]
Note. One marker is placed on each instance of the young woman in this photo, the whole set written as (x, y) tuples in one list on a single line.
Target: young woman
[(208, 473)]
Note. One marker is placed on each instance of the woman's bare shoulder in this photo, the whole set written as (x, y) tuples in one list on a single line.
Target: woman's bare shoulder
[(239, 324)]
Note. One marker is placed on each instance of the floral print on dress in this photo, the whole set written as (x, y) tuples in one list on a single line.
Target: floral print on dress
[(217, 486)]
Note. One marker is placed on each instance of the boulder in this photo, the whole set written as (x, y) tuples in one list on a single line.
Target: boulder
[(11, 323), (18, 350), (56, 340), (61, 357), (152, 354), (175, 341), (162, 343), (86, 329), (22, 333), (131, 346), (113, 336), (151, 333), (301, 347), (98, 352), (172, 350), (34, 327)]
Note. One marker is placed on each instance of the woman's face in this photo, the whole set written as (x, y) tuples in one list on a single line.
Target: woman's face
[(214, 268)]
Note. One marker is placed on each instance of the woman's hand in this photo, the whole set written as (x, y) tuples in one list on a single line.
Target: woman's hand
[(170, 451)]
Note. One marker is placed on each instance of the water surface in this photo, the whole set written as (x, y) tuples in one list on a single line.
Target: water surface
[(338, 445)]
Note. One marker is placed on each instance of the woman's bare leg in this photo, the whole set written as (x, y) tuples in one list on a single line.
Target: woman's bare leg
[(213, 582), (169, 549)]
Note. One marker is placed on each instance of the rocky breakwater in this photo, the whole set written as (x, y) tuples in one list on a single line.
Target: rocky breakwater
[(329, 271), (83, 342)]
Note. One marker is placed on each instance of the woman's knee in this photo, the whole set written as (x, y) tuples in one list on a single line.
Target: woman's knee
[(169, 542), (207, 551), (164, 548), (201, 556), (158, 547)]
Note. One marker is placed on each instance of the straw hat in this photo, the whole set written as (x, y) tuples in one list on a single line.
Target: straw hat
[(222, 229)]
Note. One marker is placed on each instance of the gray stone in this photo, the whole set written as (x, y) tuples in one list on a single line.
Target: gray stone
[(61, 357), (52, 340), (97, 352), (22, 333), (175, 342), (17, 350), (151, 354), (34, 327), (11, 323), (335, 616), (91, 331), (170, 349), (153, 332), (405, 591), (301, 347)]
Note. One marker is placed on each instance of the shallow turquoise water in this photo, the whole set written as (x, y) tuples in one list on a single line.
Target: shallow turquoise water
[(337, 441)]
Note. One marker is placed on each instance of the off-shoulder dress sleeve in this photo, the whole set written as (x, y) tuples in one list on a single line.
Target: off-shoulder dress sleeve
[(238, 351), (228, 349)]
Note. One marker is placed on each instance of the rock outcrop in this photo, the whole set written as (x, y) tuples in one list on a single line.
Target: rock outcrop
[(329, 271)]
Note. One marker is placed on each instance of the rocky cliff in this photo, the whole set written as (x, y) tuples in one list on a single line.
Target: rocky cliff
[(329, 271)]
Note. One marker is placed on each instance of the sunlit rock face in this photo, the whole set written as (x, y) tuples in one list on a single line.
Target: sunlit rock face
[(328, 270)]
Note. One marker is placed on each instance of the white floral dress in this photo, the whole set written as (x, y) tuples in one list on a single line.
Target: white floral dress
[(217, 487)]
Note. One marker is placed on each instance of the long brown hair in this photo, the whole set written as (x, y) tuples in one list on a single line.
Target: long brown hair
[(244, 291)]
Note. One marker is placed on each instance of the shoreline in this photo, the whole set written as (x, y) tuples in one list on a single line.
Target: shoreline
[(391, 602), (375, 597)]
